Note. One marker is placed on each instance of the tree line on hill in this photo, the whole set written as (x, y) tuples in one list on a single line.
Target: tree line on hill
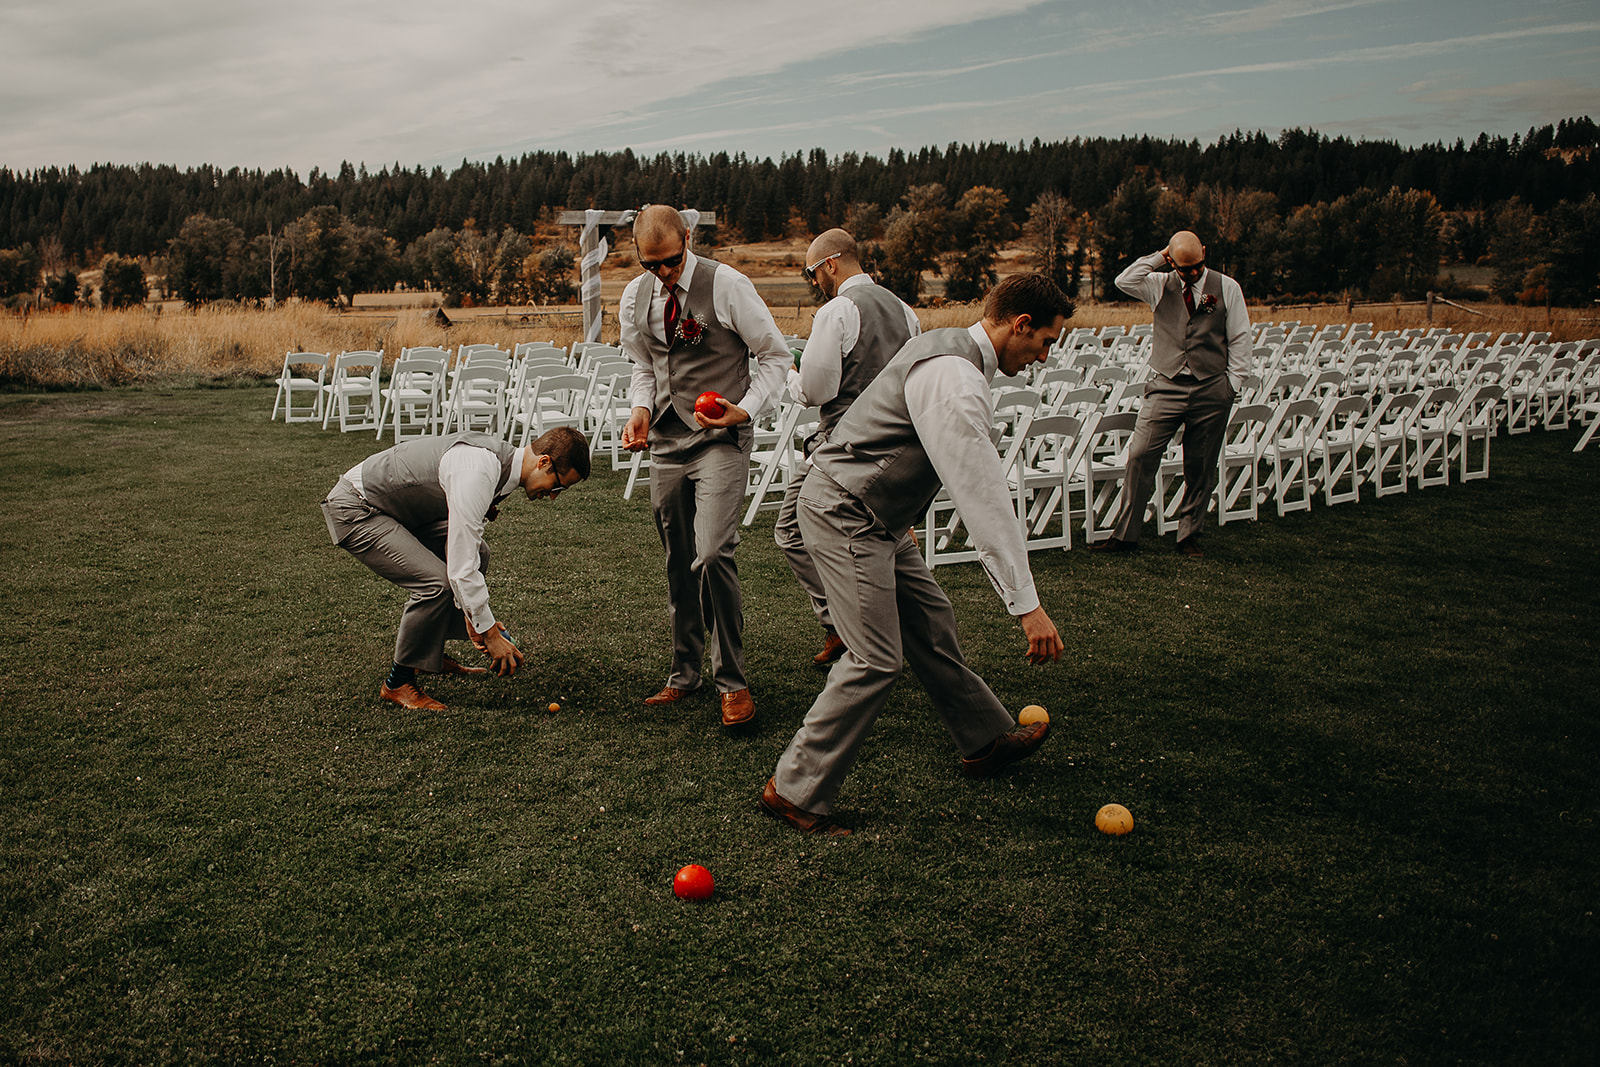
[(1299, 217)]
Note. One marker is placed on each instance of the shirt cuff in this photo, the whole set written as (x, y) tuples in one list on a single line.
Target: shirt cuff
[(1021, 601)]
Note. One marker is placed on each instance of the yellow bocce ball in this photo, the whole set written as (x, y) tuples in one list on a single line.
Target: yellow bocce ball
[(1114, 819)]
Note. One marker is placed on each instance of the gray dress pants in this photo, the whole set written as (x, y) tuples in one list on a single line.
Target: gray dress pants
[(412, 559), (888, 610), (696, 496), (786, 532), (1201, 408)]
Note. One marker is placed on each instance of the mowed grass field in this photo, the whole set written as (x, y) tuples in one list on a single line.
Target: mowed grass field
[(1360, 745)]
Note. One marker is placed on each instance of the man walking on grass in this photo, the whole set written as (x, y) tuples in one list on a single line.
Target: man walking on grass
[(415, 515), (691, 326), (853, 335), (923, 421)]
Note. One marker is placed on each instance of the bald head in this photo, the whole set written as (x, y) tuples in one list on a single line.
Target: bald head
[(835, 257), (834, 242), (1185, 249), (659, 223)]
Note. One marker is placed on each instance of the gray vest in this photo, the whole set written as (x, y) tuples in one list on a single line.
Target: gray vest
[(874, 452), (883, 332), (719, 362), (1200, 340), (403, 481)]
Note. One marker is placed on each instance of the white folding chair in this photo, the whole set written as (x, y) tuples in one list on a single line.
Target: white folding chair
[(1292, 440), (1477, 423), (354, 391), (1337, 449), (1047, 469), (774, 467), (295, 377), (478, 400), (1239, 476), (1387, 464), (1105, 464), (1434, 424), (547, 401), (414, 395)]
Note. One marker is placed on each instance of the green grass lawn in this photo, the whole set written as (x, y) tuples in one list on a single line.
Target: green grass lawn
[(1361, 745)]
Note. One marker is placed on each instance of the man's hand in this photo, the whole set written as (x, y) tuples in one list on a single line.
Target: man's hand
[(636, 435), (1044, 644), (503, 655), (732, 415)]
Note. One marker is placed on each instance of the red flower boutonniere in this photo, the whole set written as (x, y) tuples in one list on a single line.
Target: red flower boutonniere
[(1207, 305), (690, 330)]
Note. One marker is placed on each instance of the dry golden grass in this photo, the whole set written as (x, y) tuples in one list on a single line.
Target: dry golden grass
[(82, 347), (76, 347)]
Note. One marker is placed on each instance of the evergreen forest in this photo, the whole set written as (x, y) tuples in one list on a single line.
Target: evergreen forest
[(1301, 216)]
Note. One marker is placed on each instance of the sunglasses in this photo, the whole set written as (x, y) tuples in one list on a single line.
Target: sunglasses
[(653, 265), (810, 273), (1193, 269)]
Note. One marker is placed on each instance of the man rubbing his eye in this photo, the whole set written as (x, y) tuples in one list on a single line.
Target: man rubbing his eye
[(1201, 357)]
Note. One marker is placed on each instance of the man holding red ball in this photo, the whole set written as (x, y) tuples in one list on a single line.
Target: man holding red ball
[(691, 326)]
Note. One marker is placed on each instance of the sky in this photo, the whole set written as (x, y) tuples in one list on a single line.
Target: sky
[(299, 84)]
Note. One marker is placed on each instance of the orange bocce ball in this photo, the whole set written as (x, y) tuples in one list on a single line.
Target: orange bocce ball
[(1114, 819)]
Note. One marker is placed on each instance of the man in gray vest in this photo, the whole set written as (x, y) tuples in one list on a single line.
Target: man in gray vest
[(852, 336), (1201, 357), (923, 421), (415, 514), (691, 326)]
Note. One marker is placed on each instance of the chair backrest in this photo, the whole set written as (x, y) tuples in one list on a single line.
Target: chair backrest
[(293, 360), (494, 375), (407, 369), (361, 364)]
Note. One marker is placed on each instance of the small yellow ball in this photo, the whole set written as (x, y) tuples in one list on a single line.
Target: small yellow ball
[(1031, 714), (1114, 819), (555, 707)]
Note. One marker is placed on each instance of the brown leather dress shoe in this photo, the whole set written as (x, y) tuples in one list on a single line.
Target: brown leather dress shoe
[(1112, 544), (452, 667), (411, 698), (804, 821), (1005, 750), (737, 708), (668, 695), (832, 649), (1190, 546)]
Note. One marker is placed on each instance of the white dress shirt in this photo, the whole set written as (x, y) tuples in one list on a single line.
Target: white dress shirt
[(470, 477), (737, 306), (834, 331), (952, 408), (1141, 279)]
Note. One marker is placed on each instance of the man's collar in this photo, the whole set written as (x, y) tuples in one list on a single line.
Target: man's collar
[(853, 281), (991, 359)]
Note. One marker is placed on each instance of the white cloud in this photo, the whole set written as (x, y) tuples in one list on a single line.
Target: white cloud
[(308, 83)]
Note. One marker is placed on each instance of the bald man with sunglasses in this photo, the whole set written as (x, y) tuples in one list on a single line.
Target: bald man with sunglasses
[(853, 335), (691, 326), (1201, 357)]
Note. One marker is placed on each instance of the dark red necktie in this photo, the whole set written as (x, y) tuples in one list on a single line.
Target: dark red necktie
[(1188, 299), (672, 313)]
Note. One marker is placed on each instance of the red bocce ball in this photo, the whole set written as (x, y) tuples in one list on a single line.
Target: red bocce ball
[(693, 882), (711, 405)]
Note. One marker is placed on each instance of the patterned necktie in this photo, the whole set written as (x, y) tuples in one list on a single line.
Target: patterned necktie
[(1188, 299), (672, 313)]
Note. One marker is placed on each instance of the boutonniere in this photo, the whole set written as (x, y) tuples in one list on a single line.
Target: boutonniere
[(1206, 305), (690, 330)]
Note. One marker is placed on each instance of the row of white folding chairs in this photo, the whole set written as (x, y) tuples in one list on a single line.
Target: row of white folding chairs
[(1289, 452)]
